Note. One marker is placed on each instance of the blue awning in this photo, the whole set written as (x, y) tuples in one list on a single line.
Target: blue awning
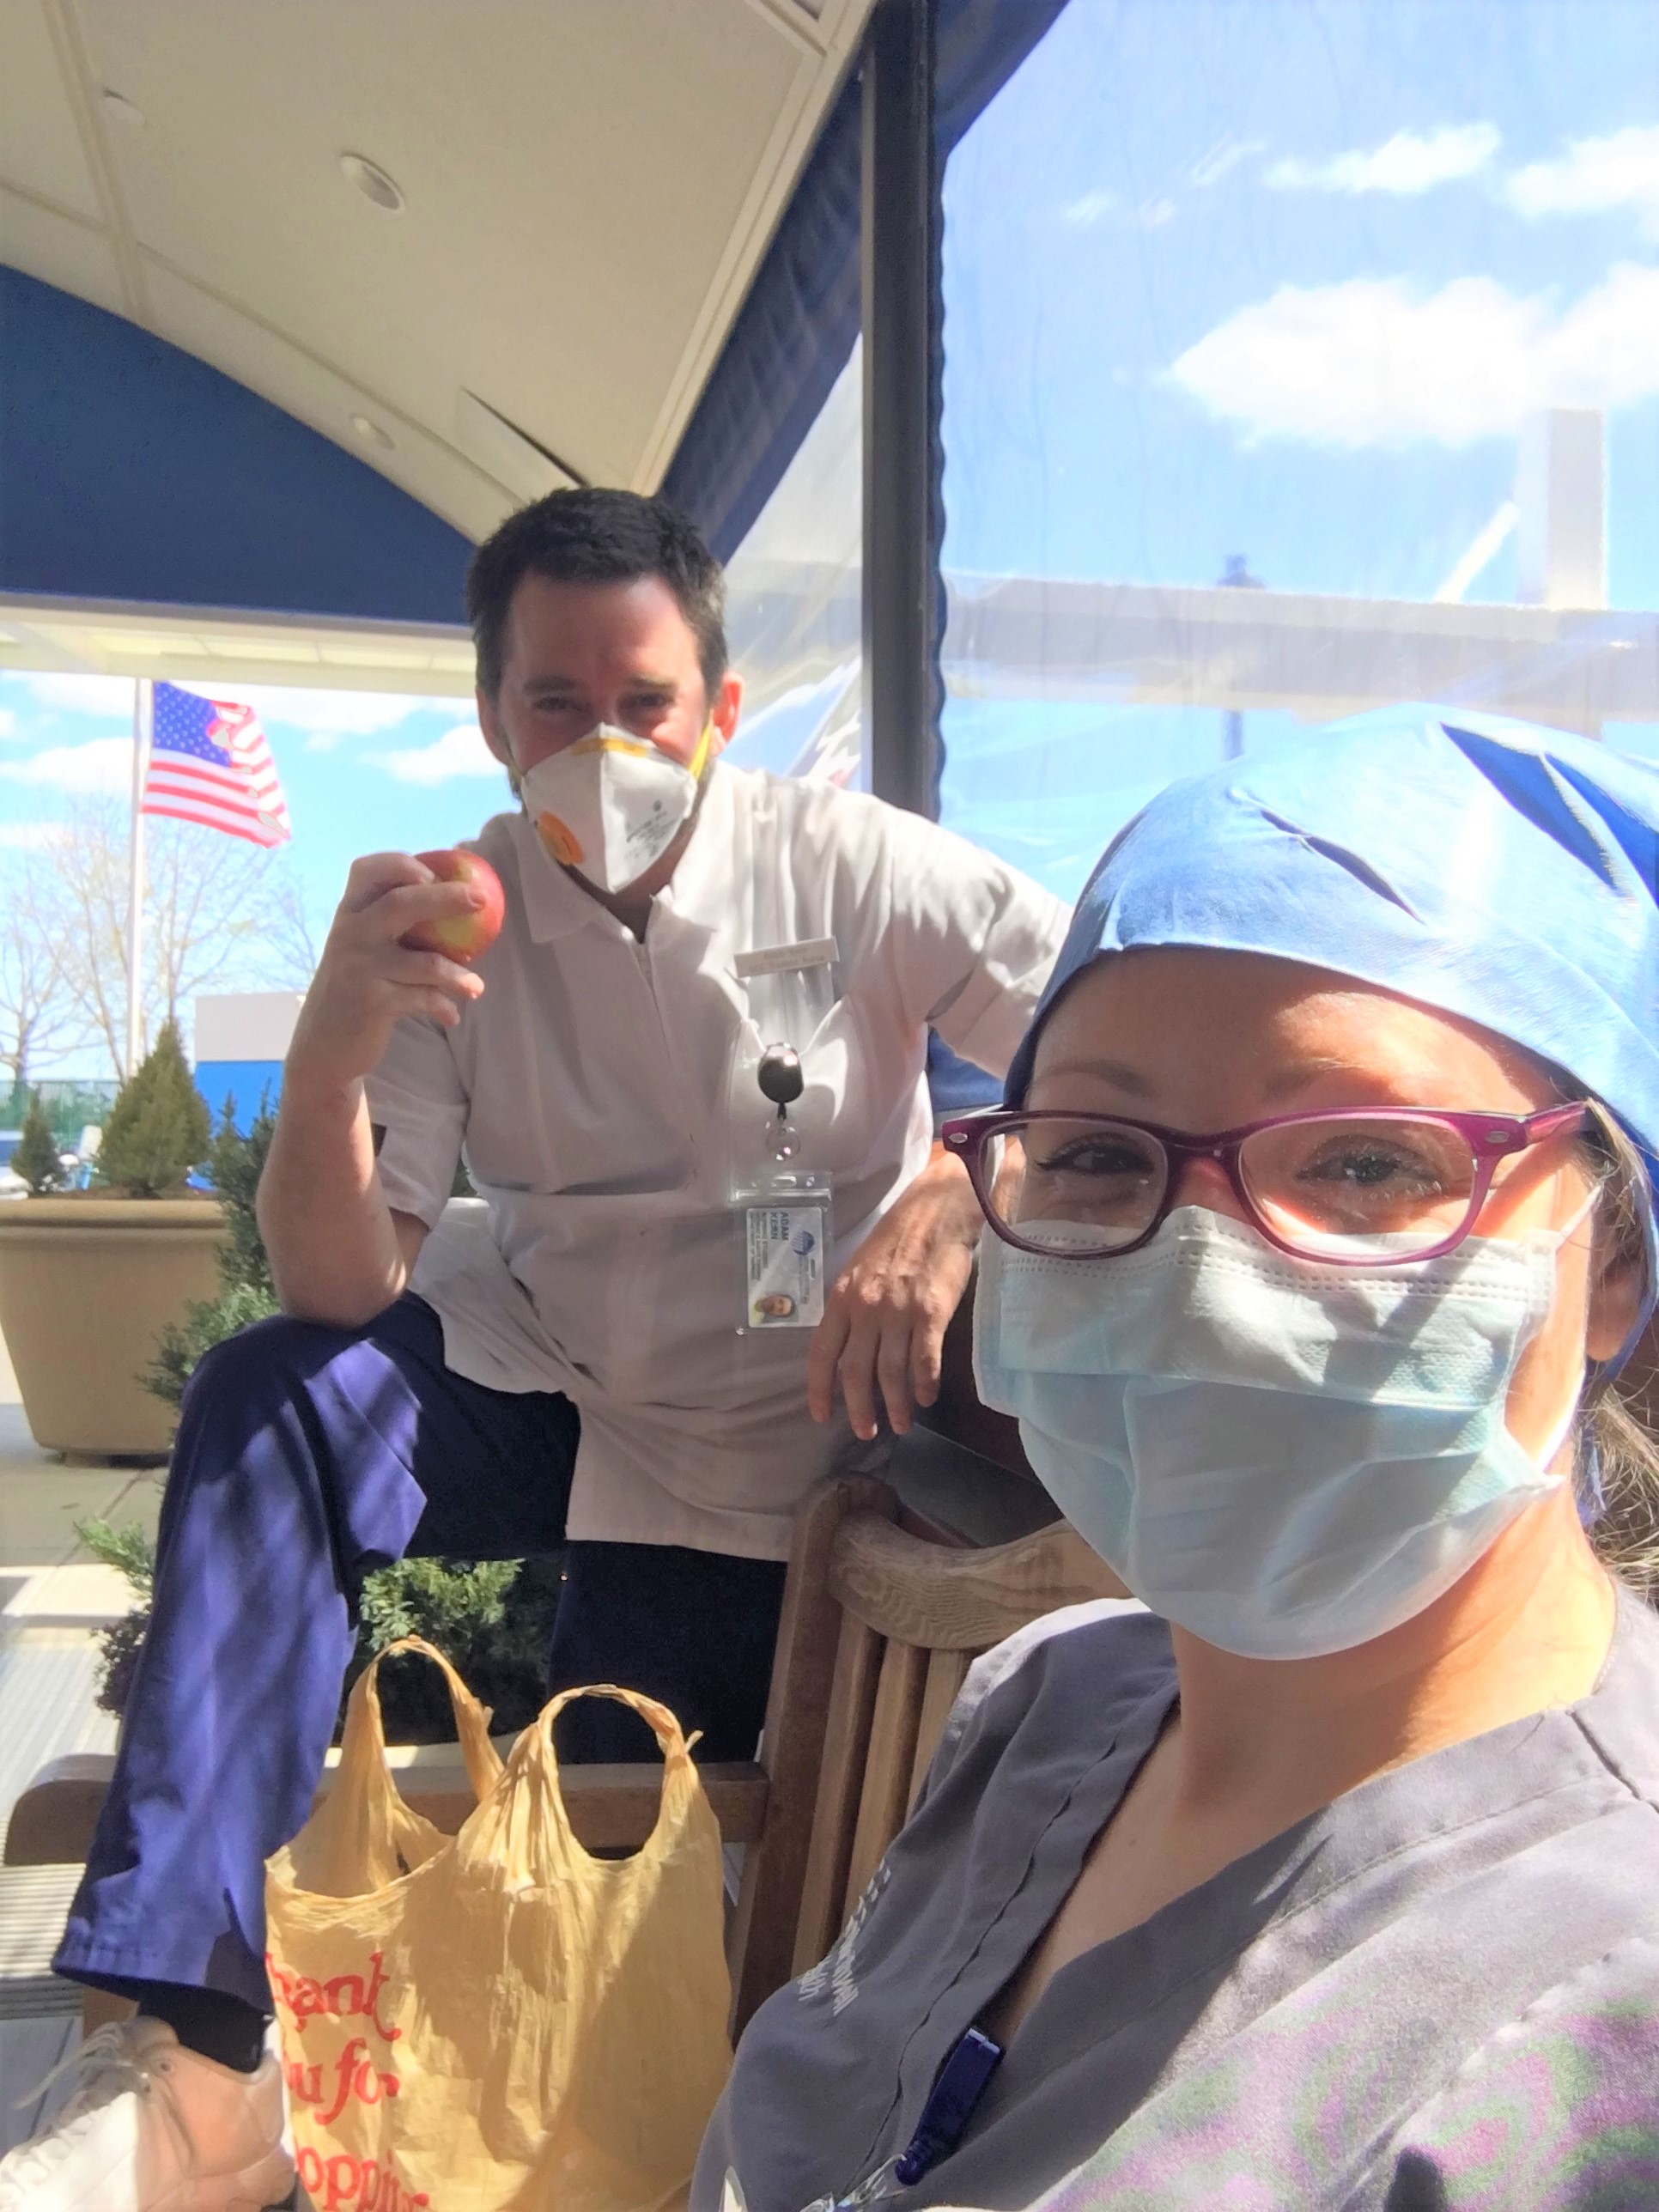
[(131, 471), (796, 329)]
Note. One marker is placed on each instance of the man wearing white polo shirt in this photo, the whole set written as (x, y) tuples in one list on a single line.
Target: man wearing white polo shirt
[(687, 1082)]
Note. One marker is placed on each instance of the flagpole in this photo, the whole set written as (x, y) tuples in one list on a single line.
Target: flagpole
[(143, 708)]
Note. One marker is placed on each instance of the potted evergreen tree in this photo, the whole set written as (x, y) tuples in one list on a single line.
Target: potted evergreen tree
[(37, 1160), (88, 1279)]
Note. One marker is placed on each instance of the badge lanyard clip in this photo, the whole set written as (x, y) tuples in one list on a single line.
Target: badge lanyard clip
[(783, 1204), (950, 2106)]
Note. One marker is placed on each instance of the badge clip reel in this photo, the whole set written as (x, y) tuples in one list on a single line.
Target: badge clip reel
[(780, 1082), (785, 1209)]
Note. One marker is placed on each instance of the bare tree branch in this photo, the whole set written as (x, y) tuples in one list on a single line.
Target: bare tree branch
[(220, 914), (41, 1017), (85, 906)]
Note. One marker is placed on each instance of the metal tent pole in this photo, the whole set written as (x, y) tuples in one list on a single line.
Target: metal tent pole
[(901, 240), (143, 708)]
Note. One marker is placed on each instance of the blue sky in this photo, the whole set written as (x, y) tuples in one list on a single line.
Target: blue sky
[(362, 772), (1279, 278), (1272, 277), (1181, 213)]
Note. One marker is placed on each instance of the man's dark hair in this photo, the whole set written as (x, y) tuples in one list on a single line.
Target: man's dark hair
[(597, 536)]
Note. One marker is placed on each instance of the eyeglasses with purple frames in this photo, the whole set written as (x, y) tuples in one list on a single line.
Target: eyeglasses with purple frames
[(1490, 1138)]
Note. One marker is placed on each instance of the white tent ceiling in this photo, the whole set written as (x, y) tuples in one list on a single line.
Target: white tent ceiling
[(587, 188), (205, 645)]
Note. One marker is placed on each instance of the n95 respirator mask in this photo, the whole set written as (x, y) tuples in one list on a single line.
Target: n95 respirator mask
[(611, 804)]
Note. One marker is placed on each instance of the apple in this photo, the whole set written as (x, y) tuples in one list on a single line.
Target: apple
[(461, 936)]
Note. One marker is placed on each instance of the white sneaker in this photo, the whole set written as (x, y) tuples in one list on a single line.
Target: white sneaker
[(153, 2127)]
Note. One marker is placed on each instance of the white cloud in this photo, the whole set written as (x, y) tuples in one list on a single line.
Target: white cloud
[(109, 698), (330, 717), (1370, 363), (460, 752), (29, 836), (1089, 210), (1096, 207), (1594, 176), (103, 765), (1226, 154), (1406, 164), (8, 722)]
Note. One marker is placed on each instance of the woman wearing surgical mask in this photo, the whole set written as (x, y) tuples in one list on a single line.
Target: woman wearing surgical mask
[(1327, 1875)]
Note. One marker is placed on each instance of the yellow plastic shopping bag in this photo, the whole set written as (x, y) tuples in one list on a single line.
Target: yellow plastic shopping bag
[(496, 2019)]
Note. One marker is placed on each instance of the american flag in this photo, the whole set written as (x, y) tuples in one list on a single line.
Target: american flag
[(210, 762)]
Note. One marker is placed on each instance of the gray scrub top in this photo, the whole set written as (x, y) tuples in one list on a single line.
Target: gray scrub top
[(1438, 1994)]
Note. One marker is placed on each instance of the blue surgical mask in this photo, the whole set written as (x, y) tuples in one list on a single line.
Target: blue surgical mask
[(1287, 1458)]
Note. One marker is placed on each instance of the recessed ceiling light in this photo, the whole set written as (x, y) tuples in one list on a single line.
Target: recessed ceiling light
[(121, 109), (373, 182), (371, 434)]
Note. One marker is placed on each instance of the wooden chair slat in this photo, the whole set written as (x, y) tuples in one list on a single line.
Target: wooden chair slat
[(762, 1945), (886, 1792), (615, 1808), (945, 1600), (946, 1672), (835, 1813), (611, 1807)]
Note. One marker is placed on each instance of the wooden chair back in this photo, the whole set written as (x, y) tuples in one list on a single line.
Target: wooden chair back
[(880, 1625)]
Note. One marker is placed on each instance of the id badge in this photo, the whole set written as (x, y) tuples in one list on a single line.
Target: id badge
[(780, 1206), (783, 1264)]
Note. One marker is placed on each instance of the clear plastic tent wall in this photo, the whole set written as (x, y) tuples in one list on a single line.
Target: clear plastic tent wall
[(794, 604), (1300, 359)]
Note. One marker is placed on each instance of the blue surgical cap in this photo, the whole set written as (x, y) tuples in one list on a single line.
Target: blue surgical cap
[(1487, 868)]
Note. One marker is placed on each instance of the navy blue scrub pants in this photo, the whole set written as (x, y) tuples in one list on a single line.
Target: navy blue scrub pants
[(308, 1456)]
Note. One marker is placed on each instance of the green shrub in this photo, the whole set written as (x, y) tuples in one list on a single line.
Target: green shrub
[(492, 1621), (247, 1293), (235, 1166), (120, 1644), (207, 1321), (131, 1552), (158, 1128), (36, 1159)]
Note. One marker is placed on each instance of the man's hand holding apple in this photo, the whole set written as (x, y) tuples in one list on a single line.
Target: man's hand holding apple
[(398, 945), (339, 1252)]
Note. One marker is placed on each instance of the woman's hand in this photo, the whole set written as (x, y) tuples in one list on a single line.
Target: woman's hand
[(885, 1321)]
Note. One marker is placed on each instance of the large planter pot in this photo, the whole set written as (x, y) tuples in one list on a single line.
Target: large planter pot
[(86, 1286)]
